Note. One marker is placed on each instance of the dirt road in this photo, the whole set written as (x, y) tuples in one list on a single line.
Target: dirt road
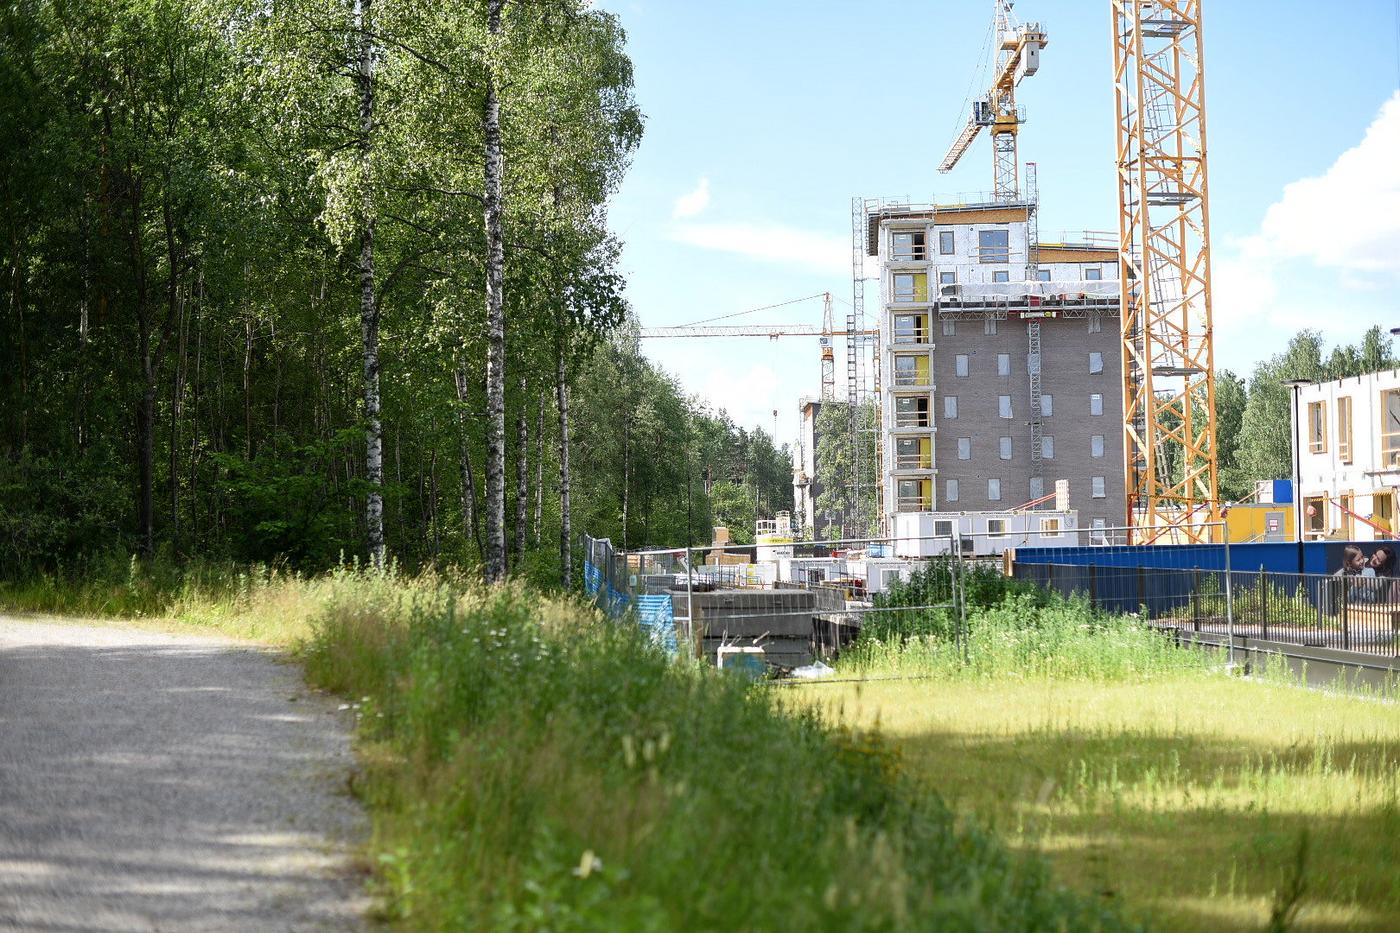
[(171, 783)]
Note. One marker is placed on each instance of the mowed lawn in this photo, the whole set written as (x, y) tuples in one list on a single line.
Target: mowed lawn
[(1191, 800)]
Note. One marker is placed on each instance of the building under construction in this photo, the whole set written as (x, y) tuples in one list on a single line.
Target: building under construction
[(1000, 363)]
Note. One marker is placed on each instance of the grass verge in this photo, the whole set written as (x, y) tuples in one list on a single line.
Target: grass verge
[(1149, 778), (535, 767)]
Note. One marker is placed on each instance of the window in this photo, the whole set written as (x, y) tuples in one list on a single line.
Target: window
[(993, 246), (1049, 527), (1315, 514), (945, 242), (1047, 405), (952, 491), (1047, 447), (1345, 508), (1096, 445), (911, 411), (1096, 530), (994, 489), (1003, 364), (910, 328), (1098, 488), (1095, 363), (989, 326), (964, 448), (1037, 487), (1317, 427), (1001, 276), (908, 246), (1004, 447), (960, 364), (996, 526), (1004, 405), (1344, 429), (950, 406), (1093, 274), (1096, 404), (911, 286), (915, 495), (912, 453), (1390, 427), (911, 370), (950, 328), (1096, 323), (1042, 275), (947, 278), (943, 528)]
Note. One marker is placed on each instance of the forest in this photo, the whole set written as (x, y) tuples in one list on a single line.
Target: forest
[(320, 281)]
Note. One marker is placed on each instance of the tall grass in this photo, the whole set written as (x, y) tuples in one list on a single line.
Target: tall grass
[(1026, 635), (534, 766)]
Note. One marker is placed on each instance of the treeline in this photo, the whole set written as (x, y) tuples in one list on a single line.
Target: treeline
[(1254, 417), (325, 279)]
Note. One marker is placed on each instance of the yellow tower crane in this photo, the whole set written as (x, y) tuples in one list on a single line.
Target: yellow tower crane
[(1017, 56), (1169, 449)]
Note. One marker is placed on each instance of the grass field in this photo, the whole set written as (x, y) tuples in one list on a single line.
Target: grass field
[(1191, 798)]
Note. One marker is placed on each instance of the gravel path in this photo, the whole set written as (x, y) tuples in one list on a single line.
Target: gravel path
[(171, 783)]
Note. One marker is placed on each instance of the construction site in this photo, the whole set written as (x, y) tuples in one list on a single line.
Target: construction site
[(1010, 399)]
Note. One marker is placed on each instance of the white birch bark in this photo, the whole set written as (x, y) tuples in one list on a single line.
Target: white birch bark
[(561, 388), (369, 307), (495, 554), (522, 470)]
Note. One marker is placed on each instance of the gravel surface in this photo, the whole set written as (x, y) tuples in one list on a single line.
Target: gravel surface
[(172, 783)]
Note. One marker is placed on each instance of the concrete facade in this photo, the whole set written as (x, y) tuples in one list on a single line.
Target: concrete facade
[(1349, 456), (961, 307)]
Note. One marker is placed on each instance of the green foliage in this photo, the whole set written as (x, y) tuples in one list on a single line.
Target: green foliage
[(846, 491), (1029, 634), (922, 605), (539, 767), (1256, 441)]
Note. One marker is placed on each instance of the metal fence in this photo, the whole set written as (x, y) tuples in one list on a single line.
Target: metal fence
[(795, 603), (809, 600)]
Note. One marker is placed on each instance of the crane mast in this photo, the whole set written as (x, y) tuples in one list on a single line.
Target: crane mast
[(1017, 56), (1170, 467)]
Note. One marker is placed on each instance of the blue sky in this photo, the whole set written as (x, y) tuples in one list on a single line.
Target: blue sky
[(765, 118)]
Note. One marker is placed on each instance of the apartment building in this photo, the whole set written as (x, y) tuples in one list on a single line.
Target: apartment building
[(1000, 363), (1349, 456)]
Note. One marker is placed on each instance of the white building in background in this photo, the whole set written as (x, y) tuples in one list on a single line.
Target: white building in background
[(805, 485), (1349, 456)]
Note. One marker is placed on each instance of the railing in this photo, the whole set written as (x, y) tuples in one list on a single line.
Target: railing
[(1349, 613), (911, 379), (919, 335), (914, 504), (920, 461), (911, 421), (909, 254)]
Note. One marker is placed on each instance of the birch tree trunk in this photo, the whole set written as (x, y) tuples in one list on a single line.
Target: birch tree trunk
[(369, 307), (522, 470), (561, 388), (470, 521), (539, 468), (495, 553)]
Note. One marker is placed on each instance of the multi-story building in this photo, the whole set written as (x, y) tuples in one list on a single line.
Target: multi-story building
[(1348, 432), (1000, 363), (806, 487)]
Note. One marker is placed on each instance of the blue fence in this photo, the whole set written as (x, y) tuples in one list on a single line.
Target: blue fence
[(1312, 557), (605, 579)]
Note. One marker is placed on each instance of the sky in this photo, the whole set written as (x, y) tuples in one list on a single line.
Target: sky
[(765, 117)]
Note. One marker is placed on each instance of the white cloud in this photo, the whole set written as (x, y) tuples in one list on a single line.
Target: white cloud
[(1348, 218), (773, 243), (1324, 257), (692, 203)]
